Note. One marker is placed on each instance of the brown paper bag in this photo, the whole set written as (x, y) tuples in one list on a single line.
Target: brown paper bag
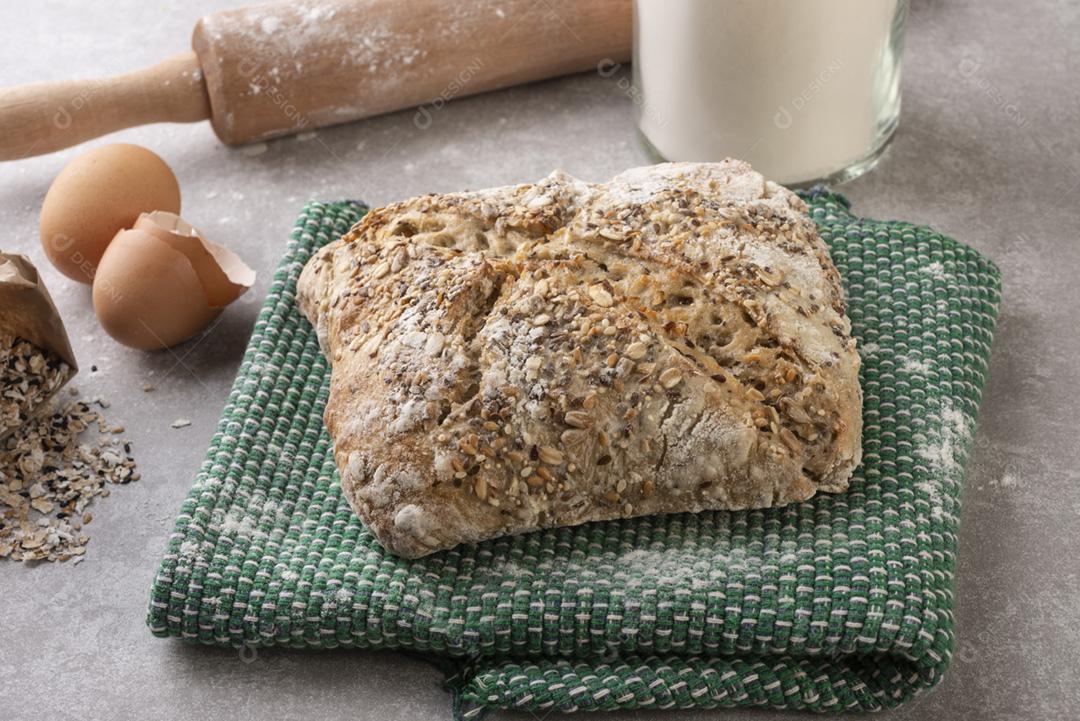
[(27, 311)]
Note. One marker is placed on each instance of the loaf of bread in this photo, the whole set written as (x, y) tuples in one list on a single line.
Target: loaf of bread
[(555, 353)]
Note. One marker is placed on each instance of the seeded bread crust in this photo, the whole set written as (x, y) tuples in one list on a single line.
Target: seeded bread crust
[(555, 353)]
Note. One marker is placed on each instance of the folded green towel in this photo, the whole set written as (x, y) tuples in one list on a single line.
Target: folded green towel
[(842, 602)]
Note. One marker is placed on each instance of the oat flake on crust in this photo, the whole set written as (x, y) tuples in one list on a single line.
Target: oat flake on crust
[(560, 352)]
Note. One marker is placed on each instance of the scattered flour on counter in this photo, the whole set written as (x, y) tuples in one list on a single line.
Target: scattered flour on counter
[(254, 149), (1008, 480)]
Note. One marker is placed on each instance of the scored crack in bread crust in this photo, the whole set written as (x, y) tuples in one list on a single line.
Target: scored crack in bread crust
[(554, 353)]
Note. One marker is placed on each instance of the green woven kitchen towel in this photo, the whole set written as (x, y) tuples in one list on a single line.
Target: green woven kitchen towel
[(842, 602)]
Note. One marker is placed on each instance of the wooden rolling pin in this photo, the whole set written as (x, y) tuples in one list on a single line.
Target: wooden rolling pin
[(270, 70)]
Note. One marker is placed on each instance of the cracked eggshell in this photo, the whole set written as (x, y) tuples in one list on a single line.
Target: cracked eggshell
[(223, 275), (160, 283)]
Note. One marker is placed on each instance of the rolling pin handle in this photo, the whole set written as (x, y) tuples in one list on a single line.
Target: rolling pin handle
[(43, 117)]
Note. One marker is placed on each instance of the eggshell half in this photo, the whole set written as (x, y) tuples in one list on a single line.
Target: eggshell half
[(95, 196), (223, 275), (147, 294)]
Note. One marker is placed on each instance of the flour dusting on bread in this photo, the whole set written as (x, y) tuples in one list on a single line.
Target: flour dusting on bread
[(555, 353)]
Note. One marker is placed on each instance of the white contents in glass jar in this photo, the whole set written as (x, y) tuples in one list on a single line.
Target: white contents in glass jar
[(804, 91)]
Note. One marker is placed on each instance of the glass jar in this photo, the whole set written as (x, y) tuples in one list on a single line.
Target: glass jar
[(804, 90)]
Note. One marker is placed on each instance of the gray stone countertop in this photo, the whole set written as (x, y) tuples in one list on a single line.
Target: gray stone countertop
[(988, 152)]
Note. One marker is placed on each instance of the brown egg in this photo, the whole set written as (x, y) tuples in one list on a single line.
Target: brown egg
[(160, 283), (97, 195)]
